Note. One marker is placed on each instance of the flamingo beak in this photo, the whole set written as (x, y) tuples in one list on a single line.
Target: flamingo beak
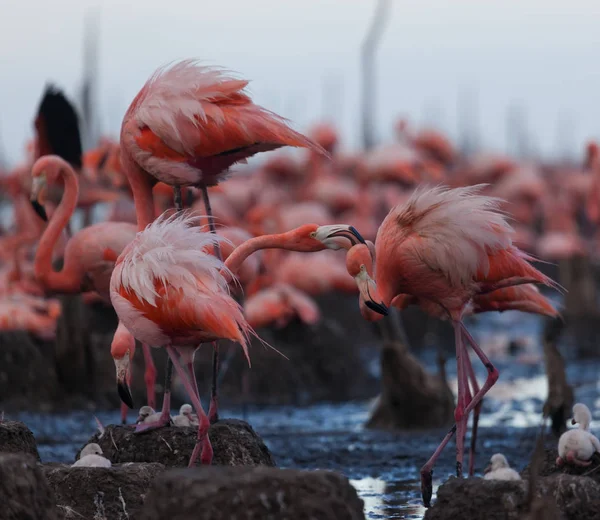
[(487, 469), (368, 290), (573, 422), (38, 189), (122, 366)]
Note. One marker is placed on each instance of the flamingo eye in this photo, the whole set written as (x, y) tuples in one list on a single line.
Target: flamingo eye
[(313, 234), (362, 267)]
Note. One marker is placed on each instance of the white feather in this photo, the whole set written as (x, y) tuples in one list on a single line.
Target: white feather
[(171, 251)]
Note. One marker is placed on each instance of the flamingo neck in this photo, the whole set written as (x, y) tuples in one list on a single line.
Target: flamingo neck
[(287, 241), (67, 278), (141, 188)]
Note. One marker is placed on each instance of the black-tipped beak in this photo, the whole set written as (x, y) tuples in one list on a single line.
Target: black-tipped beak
[(125, 394), (487, 469), (358, 236), (573, 422), (39, 209), (377, 307), (351, 234)]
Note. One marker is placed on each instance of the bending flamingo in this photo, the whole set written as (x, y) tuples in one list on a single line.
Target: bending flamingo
[(169, 292), (444, 247), (186, 127)]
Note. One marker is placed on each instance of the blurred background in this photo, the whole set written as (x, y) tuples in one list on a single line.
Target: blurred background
[(401, 94), (473, 70)]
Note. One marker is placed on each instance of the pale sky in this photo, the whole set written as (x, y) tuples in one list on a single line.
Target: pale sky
[(541, 54)]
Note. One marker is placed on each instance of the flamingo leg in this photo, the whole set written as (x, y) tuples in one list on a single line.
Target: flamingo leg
[(149, 375), (460, 414), (476, 412), (458, 428), (204, 424), (165, 413), (124, 409), (492, 372), (213, 410)]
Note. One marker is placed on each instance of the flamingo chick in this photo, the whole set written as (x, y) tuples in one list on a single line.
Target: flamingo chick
[(186, 416), (91, 456), (499, 469), (577, 446)]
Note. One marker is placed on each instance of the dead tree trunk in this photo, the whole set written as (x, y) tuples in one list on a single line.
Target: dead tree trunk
[(560, 399), (369, 48)]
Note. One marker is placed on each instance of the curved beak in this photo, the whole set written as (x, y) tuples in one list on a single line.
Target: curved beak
[(325, 233), (487, 469), (37, 191), (368, 290), (122, 366), (573, 422)]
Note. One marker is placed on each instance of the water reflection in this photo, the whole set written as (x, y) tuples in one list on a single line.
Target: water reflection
[(389, 500)]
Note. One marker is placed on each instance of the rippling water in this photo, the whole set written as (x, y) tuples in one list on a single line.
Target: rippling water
[(383, 467)]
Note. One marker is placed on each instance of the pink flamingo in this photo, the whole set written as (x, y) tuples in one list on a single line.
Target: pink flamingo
[(167, 290), (87, 260), (186, 127), (444, 247)]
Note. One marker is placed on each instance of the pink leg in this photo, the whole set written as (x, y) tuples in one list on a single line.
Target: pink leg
[(476, 412), (427, 469), (460, 415), (492, 372), (149, 376), (165, 413), (124, 407), (192, 390), (571, 457), (213, 410)]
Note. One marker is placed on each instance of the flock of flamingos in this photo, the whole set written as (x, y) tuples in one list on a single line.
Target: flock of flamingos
[(409, 223)]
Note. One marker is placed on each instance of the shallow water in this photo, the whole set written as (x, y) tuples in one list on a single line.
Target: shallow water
[(383, 467)]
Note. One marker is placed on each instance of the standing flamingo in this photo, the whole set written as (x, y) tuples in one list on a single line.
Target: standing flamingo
[(87, 260), (168, 291), (186, 127), (444, 247)]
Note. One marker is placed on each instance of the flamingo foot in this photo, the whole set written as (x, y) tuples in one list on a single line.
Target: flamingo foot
[(426, 486), (572, 459)]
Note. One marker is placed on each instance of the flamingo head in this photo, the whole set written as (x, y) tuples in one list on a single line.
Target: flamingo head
[(145, 411), (359, 264), (338, 236), (186, 409), (122, 350)]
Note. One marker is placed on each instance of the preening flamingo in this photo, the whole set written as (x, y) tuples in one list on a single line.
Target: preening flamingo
[(186, 127), (444, 247)]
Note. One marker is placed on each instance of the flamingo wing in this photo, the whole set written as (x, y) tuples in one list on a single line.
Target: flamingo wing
[(189, 112)]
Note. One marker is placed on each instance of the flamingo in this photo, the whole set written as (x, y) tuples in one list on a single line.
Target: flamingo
[(86, 263), (186, 127), (445, 246), (168, 291)]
